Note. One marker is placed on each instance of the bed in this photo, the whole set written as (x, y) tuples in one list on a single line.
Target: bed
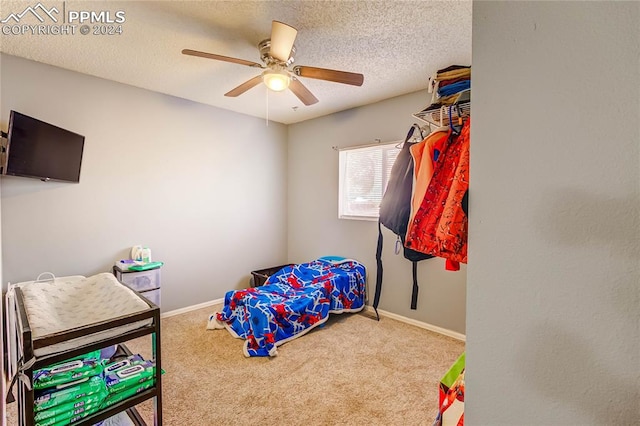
[(52, 320), (292, 302)]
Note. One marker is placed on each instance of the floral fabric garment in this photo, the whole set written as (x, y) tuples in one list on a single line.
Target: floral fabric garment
[(292, 302)]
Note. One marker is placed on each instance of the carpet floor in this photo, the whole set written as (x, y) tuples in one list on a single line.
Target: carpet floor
[(353, 370)]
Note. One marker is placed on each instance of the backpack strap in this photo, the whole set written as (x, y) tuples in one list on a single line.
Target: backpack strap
[(376, 297), (414, 293)]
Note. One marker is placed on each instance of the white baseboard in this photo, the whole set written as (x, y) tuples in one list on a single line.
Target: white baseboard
[(426, 326), (383, 313), (191, 308)]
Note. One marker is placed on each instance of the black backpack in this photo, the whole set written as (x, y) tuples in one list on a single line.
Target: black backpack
[(395, 209)]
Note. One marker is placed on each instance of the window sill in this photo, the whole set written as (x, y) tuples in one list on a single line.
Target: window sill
[(353, 217)]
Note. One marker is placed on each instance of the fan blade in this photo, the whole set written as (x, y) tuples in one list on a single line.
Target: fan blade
[(302, 92), (221, 58), (329, 75), (244, 87), (282, 38)]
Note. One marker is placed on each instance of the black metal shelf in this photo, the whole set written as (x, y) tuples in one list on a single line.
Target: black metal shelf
[(27, 346)]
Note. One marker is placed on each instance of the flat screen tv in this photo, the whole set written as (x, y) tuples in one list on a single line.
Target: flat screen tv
[(41, 150)]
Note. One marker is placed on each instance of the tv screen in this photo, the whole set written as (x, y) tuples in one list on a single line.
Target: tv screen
[(40, 150)]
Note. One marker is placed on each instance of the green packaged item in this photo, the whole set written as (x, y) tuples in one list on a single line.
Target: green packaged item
[(54, 397), (145, 266), (76, 417), (67, 371), (126, 393), (129, 376), (127, 362), (69, 416), (90, 355), (70, 407)]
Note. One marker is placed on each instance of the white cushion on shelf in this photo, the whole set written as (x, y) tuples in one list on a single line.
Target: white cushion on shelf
[(70, 302)]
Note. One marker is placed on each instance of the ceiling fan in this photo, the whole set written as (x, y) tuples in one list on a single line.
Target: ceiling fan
[(277, 54)]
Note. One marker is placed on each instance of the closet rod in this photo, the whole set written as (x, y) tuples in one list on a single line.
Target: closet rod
[(377, 143)]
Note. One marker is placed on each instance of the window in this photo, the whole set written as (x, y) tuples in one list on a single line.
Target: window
[(364, 174)]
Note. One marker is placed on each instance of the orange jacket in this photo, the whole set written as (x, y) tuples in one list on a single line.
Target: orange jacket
[(439, 227), (423, 154)]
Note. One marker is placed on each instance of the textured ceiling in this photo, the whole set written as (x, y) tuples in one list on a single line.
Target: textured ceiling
[(395, 44)]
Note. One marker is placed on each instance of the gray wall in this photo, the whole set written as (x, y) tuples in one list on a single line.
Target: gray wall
[(314, 227), (553, 277), (203, 187)]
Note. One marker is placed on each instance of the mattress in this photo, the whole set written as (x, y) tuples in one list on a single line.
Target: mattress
[(66, 303)]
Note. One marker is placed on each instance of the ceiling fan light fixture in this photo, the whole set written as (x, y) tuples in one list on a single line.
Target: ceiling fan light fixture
[(277, 54), (276, 80)]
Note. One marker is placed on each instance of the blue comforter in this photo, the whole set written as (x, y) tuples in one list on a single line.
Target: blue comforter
[(292, 302)]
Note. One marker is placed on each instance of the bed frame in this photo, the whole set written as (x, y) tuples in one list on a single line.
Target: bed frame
[(26, 346)]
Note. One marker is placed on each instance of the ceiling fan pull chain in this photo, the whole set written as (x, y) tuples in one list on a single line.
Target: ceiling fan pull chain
[(267, 106)]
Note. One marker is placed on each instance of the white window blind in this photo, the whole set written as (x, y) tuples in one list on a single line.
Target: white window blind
[(364, 174)]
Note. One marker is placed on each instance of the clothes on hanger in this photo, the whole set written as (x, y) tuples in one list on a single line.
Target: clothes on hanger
[(434, 227), (394, 213), (425, 154), (439, 227), (429, 182)]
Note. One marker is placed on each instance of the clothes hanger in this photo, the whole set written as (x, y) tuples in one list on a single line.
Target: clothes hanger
[(410, 133), (455, 128)]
